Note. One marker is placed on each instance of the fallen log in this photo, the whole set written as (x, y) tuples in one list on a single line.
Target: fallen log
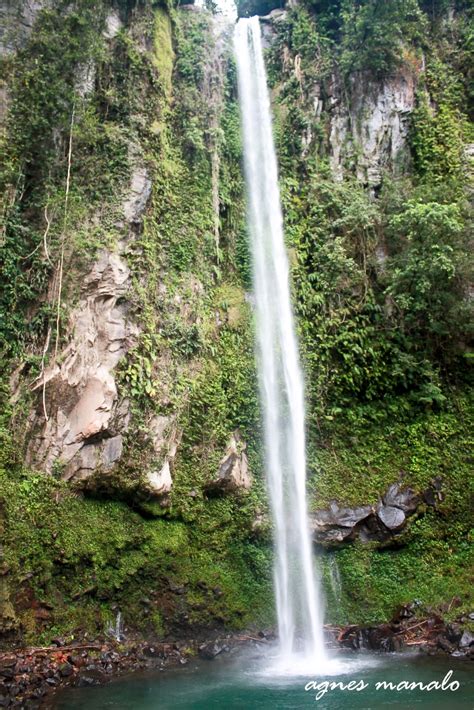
[(53, 649)]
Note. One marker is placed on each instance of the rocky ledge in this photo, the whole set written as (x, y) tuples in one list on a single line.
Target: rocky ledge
[(382, 522)]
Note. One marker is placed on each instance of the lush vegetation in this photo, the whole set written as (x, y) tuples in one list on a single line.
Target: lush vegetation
[(380, 276), (193, 360), (381, 279)]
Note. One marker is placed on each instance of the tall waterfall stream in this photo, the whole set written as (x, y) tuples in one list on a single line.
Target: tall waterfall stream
[(282, 393)]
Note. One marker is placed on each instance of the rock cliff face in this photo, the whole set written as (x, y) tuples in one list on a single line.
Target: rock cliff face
[(233, 474), (366, 121), (83, 420), (17, 21), (369, 126), (138, 389), (80, 418)]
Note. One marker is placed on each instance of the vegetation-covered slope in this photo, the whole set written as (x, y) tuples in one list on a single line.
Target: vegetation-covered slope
[(122, 139), (158, 109), (372, 117)]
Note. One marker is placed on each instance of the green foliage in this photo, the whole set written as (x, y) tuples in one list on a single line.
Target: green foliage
[(440, 126), (48, 108), (118, 558), (373, 33), (431, 561), (430, 572), (428, 274), (370, 333), (163, 48)]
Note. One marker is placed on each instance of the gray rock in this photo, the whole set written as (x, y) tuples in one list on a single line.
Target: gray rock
[(81, 394), (209, 651), (66, 670), (138, 195), (17, 18), (112, 450), (336, 525), (467, 639), (233, 474), (370, 123), (406, 499), (113, 24), (392, 518), (343, 517)]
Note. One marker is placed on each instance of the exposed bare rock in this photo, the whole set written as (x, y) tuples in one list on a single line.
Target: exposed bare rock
[(404, 498), (138, 195), (268, 23), (17, 18), (160, 482), (90, 457), (233, 474), (81, 422), (165, 437), (336, 525), (113, 25), (392, 518), (85, 79), (80, 392), (370, 123)]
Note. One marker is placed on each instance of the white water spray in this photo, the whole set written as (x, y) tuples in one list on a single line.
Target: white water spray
[(297, 596)]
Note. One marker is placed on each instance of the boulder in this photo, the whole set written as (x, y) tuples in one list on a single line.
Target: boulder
[(393, 518), (404, 498), (209, 651), (160, 482), (233, 474), (337, 525), (467, 640)]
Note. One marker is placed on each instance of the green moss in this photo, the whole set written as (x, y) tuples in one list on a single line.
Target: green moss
[(359, 463), (430, 571), (163, 54), (82, 558), (432, 560)]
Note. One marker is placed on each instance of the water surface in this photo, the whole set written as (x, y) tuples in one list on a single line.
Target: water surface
[(244, 682)]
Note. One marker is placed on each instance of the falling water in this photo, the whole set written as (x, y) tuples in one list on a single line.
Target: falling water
[(116, 630), (297, 597)]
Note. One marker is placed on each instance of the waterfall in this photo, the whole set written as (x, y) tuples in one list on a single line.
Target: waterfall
[(281, 383)]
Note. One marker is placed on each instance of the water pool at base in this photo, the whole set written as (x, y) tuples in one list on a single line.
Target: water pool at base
[(246, 681)]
